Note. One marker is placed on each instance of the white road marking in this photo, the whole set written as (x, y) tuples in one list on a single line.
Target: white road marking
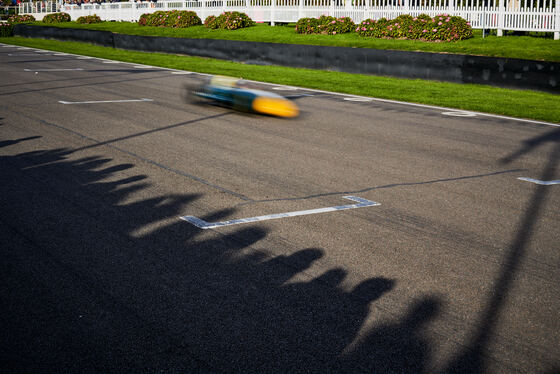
[(111, 62), (376, 99), (84, 58), (284, 88), (23, 54), (53, 69), (181, 72), (60, 54), (364, 99), (200, 223), (537, 181), (144, 67), (105, 101), (459, 113)]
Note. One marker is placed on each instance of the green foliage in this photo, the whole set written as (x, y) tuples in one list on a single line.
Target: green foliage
[(143, 20), (20, 18), (211, 22), (439, 28), (56, 18), (173, 18), (89, 19), (325, 25), (229, 21), (6, 30)]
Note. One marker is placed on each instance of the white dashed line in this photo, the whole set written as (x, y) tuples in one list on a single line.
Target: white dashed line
[(105, 101), (359, 99), (74, 69), (459, 113)]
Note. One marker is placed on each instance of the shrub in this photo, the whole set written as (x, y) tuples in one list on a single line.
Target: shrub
[(307, 25), (325, 25), (144, 19), (89, 19), (20, 18), (56, 18), (439, 28), (173, 18), (229, 21), (211, 22), (6, 30)]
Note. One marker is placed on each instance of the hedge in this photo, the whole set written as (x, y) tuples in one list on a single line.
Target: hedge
[(20, 18), (439, 28), (173, 18), (325, 25), (89, 19), (56, 18), (229, 21)]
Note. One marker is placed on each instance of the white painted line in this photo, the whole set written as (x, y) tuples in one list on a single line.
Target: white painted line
[(537, 181), (60, 54), (364, 99), (105, 101), (458, 113), (53, 69), (200, 223), (23, 54), (181, 72), (85, 58), (375, 99), (111, 62), (284, 88)]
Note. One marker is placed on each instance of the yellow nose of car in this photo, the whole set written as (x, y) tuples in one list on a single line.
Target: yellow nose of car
[(275, 107)]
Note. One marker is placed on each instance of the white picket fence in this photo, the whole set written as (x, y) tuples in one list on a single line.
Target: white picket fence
[(500, 15)]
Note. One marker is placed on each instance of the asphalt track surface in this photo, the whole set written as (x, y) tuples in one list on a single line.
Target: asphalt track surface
[(457, 269)]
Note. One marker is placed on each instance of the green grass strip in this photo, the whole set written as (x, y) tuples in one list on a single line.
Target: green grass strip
[(524, 47), (515, 103)]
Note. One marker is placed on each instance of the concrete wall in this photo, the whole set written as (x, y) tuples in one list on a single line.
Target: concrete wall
[(502, 72)]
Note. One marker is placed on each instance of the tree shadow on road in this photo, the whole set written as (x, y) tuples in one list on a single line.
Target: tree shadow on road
[(100, 275), (473, 359)]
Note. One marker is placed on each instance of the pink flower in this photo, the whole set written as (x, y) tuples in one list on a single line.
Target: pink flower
[(333, 22), (439, 23), (434, 30), (334, 32), (424, 30), (363, 29)]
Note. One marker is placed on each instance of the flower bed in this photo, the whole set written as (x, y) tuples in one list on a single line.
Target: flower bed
[(89, 19), (173, 18), (56, 18), (439, 28), (325, 25), (20, 18), (229, 21), (6, 30)]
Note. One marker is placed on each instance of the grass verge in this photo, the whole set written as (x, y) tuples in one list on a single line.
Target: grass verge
[(516, 103), (524, 47)]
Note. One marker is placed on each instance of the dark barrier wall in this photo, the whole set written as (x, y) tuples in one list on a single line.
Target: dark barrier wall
[(502, 72)]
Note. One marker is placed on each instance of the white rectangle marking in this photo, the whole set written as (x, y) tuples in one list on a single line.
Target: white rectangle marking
[(537, 181), (200, 223), (104, 101), (181, 72), (53, 69)]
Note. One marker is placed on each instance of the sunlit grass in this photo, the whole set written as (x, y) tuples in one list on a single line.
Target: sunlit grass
[(515, 103), (524, 47)]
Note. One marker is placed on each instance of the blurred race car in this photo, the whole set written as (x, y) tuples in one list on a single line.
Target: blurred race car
[(226, 91)]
